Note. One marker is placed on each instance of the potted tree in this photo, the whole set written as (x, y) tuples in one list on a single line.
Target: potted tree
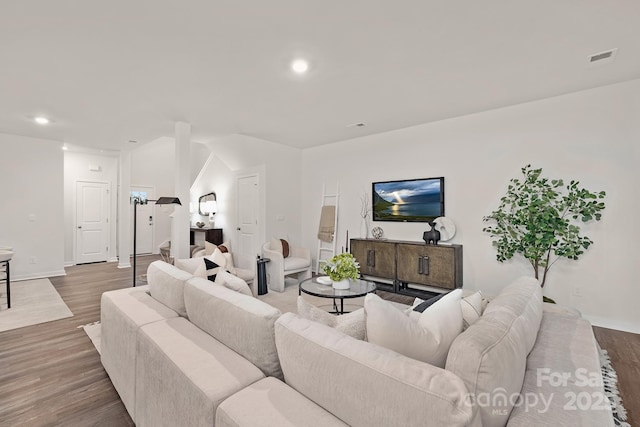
[(539, 219)]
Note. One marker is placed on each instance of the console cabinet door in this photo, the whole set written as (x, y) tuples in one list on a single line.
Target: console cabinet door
[(375, 258), (427, 265)]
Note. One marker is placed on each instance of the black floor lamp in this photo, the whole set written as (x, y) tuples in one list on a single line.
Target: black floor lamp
[(137, 200)]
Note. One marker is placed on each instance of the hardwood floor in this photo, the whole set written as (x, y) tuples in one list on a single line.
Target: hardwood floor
[(51, 375), (624, 351)]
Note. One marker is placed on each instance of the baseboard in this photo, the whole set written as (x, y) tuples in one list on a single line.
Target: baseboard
[(124, 265), (69, 264), (40, 275), (603, 322), (114, 259)]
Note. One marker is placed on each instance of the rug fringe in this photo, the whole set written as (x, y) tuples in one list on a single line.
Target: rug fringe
[(610, 381), (88, 324)]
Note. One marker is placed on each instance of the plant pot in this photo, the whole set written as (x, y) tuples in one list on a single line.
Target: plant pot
[(341, 284)]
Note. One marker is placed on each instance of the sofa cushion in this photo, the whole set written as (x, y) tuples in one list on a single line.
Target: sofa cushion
[(183, 374), (491, 355), (562, 369), (232, 282), (241, 322), (244, 274), (471, 309), (273, 403), (427, 339), (166, 284), (364, 384), (352, 324), (191, 265), (521, 298)]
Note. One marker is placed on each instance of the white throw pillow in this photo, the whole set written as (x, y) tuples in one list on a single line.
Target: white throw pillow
[(471, 309), (352, 324), (218, 257), (427, 340), (232, 282)]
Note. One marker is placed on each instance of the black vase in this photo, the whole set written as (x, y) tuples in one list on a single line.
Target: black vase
[(432, 236)]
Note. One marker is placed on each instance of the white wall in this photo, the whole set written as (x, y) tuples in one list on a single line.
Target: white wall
[(217, 177), (591, 136), (76, 168), (153, 165), (31, 212), (282, 169)]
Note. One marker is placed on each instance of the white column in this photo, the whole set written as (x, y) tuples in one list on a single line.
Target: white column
[(181, 221), (124, 211)]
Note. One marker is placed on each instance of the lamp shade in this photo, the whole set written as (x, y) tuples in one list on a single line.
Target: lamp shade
[(168, 201), (210, 206)]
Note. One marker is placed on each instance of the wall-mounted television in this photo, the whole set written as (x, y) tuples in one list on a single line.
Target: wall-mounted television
[(410, 200)]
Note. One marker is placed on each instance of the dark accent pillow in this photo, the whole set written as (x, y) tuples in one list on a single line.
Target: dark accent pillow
[(428, 303), (285, 248), (212, 269)]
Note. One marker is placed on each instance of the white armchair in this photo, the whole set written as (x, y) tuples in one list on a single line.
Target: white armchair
[(298, 262)]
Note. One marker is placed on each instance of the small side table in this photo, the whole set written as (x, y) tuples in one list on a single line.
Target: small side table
[(7, 279), (262, 275)]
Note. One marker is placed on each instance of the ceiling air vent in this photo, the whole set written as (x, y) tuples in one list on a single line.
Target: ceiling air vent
[(605, 57)]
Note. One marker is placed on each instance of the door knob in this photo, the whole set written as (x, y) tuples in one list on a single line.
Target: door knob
[(238, 228), (79, 226)]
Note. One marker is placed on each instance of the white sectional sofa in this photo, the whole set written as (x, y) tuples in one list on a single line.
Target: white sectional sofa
[(212, 356)]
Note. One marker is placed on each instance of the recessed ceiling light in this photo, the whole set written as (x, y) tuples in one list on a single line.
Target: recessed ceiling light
[(300, 66), (41, 120)]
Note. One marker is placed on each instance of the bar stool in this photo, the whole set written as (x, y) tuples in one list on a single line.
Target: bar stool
[(6, 253)]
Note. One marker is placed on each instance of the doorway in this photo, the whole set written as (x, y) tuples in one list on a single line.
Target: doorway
[(92, 221), (144, 220), (249, 228)]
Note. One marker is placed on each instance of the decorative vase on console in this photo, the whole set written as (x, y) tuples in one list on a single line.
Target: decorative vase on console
[(364, 228), (365, 210)]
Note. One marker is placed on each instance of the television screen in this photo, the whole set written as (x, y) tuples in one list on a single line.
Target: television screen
[(413, 200)]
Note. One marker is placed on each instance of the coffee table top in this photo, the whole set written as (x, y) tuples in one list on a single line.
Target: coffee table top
[(357, 289)]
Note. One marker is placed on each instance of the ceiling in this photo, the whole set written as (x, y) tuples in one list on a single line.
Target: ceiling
[(108, 72)]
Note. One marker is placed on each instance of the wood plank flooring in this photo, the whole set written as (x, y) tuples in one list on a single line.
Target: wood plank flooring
[(51, 375)]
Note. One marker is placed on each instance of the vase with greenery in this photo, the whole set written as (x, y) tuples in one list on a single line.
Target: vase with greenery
[(340, 268), (539, 219)]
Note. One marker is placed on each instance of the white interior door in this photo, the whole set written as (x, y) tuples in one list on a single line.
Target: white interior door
[(92, 222), (144, 221), (248, 208)]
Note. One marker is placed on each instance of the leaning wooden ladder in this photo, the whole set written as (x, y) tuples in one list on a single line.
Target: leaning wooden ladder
[(326, 233)]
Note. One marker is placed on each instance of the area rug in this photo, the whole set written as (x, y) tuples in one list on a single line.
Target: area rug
[(93, 332), (610, 379), (32, 302)]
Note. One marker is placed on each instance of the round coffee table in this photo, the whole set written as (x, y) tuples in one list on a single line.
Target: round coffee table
[(358, 288)]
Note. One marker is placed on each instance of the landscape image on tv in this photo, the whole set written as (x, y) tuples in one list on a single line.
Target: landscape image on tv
[(417, 200)]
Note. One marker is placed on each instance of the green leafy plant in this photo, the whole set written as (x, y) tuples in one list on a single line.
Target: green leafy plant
[(538, 218), (342, 266)]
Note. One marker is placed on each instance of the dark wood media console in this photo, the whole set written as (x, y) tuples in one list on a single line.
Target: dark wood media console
[(408, 263)]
